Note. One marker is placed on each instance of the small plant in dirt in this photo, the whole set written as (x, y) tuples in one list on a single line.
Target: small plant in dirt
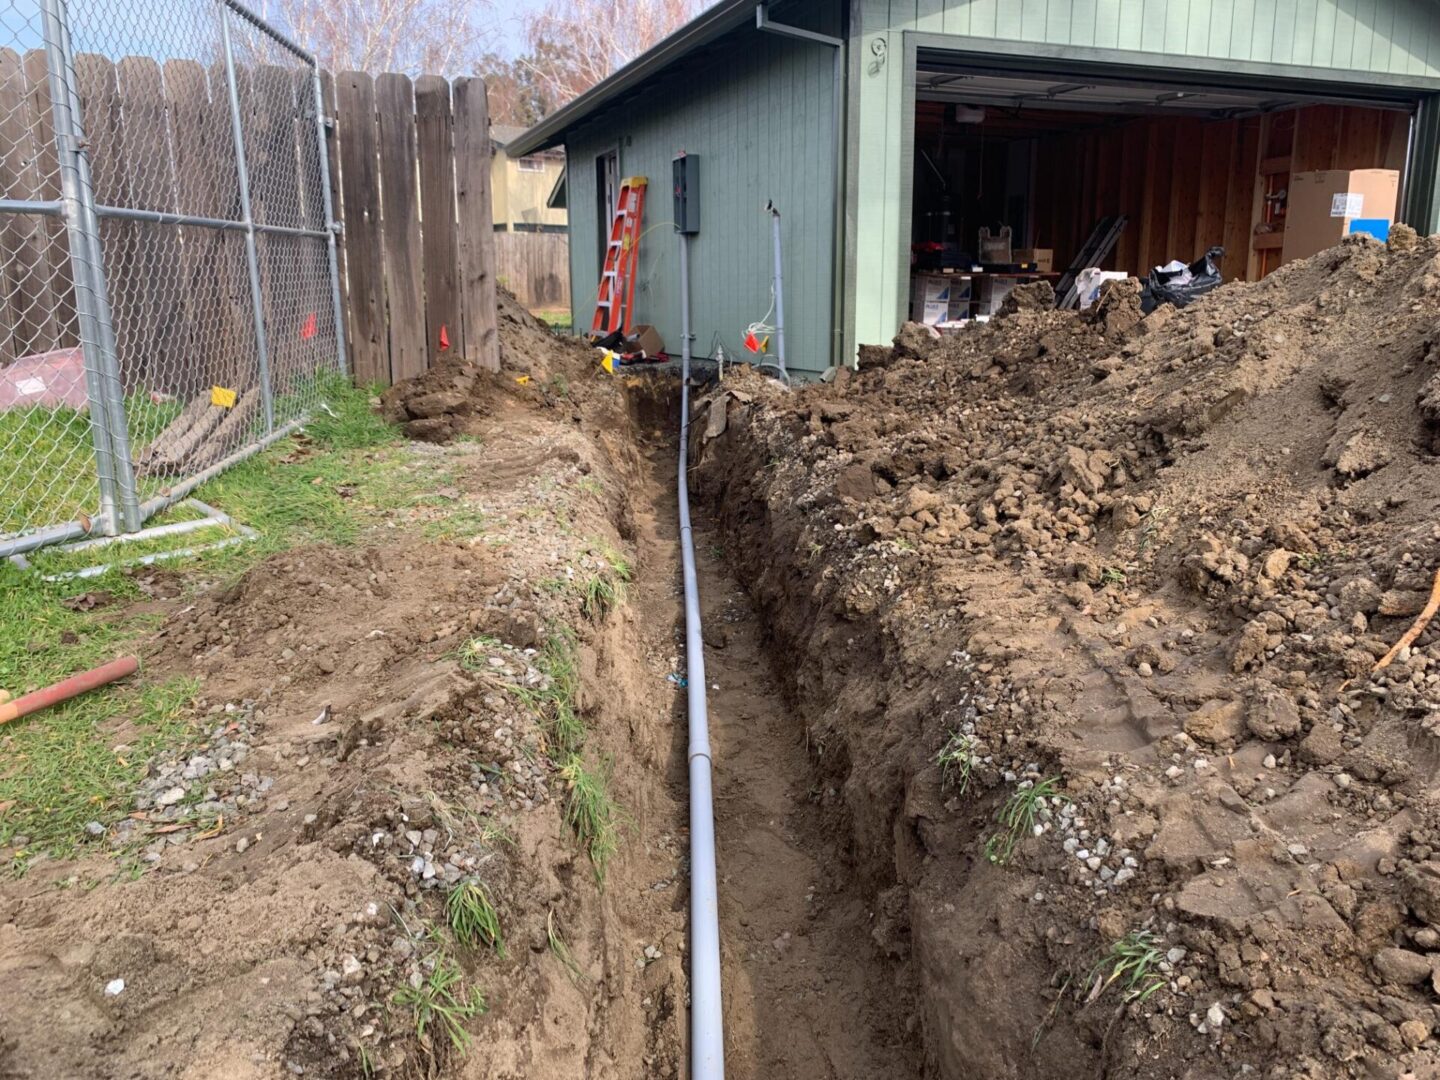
[(562, 950), (957, 760), (1017, 817), (602, 591), (1132, 963), (554, 699), (441, 1000), (472, 917), (1113, 575), (590, 811)]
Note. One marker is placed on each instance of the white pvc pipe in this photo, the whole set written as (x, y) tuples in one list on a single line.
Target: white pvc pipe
[(707, 1033)]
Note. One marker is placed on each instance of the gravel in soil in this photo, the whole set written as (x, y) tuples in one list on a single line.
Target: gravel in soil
[(1083, 615), (377, 725)]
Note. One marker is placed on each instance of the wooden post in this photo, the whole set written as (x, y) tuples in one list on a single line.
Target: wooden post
[(476, 227), (437, 212), (332, 153), (360, 205), (400, 210)]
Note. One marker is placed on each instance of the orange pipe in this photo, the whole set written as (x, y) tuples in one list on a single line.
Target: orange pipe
[(68, 688)]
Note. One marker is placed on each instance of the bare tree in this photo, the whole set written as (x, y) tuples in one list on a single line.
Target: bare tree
[(574, 44), (442, 37)]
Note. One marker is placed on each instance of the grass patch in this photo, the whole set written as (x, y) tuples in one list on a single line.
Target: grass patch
[(957, 759), (472, 917), (1017, 818), (1132, 964), (554, 699), (442, 1001), (590, 811), (561, 950), (557, 319)]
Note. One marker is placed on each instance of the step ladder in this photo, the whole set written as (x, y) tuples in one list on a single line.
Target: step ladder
[(616, 295)]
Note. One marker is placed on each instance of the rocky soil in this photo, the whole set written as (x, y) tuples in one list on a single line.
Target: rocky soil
[(1082, 615), (374, 726)]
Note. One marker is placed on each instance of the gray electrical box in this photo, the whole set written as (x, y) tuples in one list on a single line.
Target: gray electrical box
[(685, 170)]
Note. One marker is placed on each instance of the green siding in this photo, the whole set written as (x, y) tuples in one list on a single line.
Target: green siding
[(1395, 37), (756, 110)]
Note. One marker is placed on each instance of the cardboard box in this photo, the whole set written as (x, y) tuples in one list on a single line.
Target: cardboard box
[(1043, 258), (1321, 206), (994, 288), (939, 298), (645, 338)]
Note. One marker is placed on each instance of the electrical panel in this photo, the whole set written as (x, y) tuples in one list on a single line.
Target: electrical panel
[(686, 172)]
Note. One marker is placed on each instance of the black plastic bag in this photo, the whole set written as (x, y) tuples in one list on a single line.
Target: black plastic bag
[(1181, 287)]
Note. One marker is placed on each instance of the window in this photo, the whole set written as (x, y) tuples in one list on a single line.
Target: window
[(532, 163)]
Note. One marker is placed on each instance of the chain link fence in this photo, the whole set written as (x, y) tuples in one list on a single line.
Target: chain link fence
[(169, 301)]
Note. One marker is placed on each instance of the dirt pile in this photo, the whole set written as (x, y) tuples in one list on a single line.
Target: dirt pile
[(377, 725), (1084, 612)]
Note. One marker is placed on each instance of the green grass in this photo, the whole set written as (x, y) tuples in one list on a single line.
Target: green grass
[(59, 768), (472, 917), (1017, 819), (558, 319), (1132, 963), (561, 950), (554, 699), (590, 811), (442, 1001), (957, 760)]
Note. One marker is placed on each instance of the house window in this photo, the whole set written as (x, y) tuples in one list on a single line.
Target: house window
[(533, 163)]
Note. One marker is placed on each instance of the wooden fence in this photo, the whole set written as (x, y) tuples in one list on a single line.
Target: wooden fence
[(410, 184), (535, 266), (413, 195)]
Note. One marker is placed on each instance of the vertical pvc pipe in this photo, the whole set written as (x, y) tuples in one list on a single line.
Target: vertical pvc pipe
[(331, 225), (779, 293), (252, 257), (707, 1033), (108, 427)]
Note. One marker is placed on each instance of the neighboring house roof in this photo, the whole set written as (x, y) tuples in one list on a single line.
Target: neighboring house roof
[(703, 29), (559, 197), (505, 134)]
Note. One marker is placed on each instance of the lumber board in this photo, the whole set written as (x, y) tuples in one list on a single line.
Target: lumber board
[(400, 212), (1216, 151), (1186, 177), (1240, 199), (476, 228), (360, 194), (437, 212)]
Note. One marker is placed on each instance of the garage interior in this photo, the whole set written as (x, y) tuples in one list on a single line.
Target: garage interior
[(1189, 168)]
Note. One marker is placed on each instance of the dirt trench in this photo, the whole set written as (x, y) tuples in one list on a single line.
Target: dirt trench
[(808, 993)]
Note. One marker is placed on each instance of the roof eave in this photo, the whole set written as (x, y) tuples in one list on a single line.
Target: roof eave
[(720, 19)]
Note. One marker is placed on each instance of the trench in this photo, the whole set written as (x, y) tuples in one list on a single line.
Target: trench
[(808, 991)]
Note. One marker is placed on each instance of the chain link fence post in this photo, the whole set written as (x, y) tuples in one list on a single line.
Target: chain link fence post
[(252, 255), (332, 226), (97, 334)]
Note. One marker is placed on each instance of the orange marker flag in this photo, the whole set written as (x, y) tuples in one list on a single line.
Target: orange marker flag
[(444, 338), (308, 330)]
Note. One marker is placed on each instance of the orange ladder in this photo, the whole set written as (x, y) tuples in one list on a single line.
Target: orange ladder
[(616, 296)]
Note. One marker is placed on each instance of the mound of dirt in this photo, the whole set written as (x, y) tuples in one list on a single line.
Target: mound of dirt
[(1085, 614), (455, 396)]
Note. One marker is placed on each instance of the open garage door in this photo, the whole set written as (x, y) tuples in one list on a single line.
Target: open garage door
[(1046, 163)]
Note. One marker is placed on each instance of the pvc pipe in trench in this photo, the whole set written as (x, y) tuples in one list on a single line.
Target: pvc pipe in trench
[(707, 1034)]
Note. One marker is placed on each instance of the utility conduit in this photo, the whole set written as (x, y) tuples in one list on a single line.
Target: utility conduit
[(707, 1034)]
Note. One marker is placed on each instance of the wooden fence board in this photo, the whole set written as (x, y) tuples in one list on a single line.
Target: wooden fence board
[(400, 213), (332, 155), (217, 291), (154, 345), (360, 188), (437, 212), (66, 330), (22, 236), (476, 225), (534, 266), (271, 151)]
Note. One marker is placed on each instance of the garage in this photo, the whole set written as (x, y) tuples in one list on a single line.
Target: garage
[(1020, 175)]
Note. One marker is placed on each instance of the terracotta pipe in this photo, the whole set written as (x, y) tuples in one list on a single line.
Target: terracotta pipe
[(68, 688)]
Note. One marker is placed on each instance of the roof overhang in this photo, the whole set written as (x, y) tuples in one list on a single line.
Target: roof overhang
[(720, 19)]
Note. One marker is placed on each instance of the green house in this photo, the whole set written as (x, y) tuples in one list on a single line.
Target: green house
[(888, 133)]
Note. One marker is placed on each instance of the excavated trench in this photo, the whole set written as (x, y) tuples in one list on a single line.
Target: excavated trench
[(812, 987)]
